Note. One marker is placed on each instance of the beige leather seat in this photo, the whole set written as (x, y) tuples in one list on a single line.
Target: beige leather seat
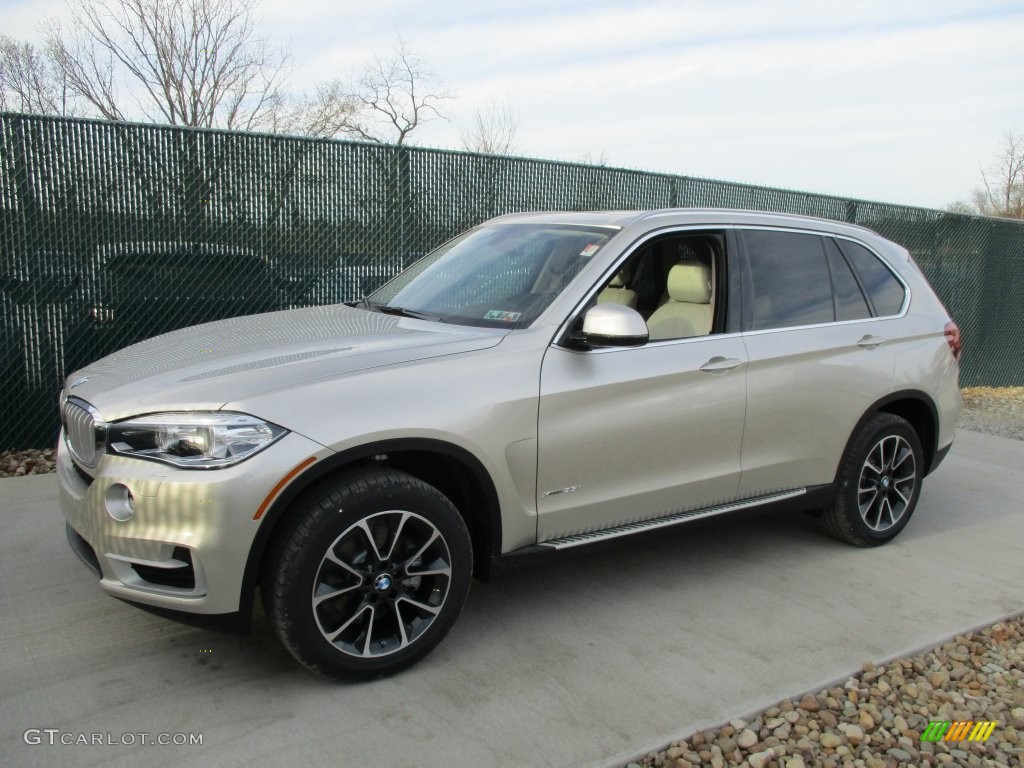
[(617, 292), (688, 309)]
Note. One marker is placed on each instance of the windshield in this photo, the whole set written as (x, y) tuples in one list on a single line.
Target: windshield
[(499, 275)]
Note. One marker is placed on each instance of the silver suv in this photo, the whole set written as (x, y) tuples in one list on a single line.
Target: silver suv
[(539, 383)]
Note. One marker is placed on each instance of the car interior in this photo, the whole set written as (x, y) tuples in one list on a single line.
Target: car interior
[(672, 283)]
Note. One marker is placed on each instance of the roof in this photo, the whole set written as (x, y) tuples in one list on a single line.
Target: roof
[(682, 216)]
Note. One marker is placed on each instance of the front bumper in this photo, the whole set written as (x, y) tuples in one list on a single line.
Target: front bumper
[(186, 546)]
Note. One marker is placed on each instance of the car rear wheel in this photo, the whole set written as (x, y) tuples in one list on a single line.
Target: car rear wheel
[(370, 576), (879, 482)]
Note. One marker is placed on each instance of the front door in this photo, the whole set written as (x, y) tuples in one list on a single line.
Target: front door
[(631, 434)]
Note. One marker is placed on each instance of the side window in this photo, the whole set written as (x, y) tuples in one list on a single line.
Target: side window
[(789, 280), (671, 281), (849, 299), (884, 290)]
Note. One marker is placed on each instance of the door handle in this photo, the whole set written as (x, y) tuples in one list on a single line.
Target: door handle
[(719, 364), (870, 342)]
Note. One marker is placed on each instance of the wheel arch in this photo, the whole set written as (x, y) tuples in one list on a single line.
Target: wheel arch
[(919, 410), (454, 471)]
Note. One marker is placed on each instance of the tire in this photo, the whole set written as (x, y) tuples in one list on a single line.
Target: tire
[(878, 484), (369, 576)]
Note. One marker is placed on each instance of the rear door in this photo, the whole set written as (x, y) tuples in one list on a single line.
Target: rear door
[(817, 358)]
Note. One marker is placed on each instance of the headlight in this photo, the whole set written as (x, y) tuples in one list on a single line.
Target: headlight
[(193, 440)]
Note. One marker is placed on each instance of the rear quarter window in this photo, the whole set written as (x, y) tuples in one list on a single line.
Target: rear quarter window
[(849, 298), (884, 290)]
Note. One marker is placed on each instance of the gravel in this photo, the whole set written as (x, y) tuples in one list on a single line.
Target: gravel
[(30, 462), (875, 719)]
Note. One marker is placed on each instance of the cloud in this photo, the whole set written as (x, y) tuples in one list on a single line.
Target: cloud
[(878, 99), (21, 18), (884, 110)]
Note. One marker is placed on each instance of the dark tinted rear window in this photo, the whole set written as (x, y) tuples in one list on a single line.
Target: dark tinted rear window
[(789, 280), (885, 291), (850, 302)]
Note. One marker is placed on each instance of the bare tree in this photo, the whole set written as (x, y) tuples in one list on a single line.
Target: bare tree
[(329, 112), (492, 131), (962, 206), (1003, 191), (30, 83), (384, 103), (395, 95), (183, 62)]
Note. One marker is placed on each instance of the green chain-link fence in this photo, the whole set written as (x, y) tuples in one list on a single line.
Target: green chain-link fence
[(113, 232)]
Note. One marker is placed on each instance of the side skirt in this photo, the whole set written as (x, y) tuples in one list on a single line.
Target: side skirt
[(566, 542), (795, 500)]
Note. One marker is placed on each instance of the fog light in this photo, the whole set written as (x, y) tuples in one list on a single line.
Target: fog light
[(119, 502)]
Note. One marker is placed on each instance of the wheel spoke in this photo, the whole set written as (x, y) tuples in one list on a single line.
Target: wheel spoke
[(892, 445), (334, 593), (908, 476), (369, 631), (899, 461), (885, 506), (873, 514), (342, 564), (868, 465), (419, 553), (359, 612), (398, 535), (903, 497), (866, 505), (401, 625), (431, 609), (446, 571), (365, 528), (904, 481)]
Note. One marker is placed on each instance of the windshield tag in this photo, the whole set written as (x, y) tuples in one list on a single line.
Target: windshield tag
[(590, 250), (507, 317)]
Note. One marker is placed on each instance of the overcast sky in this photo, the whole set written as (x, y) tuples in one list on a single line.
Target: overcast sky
[(895, 101)]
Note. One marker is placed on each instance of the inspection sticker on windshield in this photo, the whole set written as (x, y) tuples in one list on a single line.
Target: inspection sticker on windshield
[(590, 250), (506, 317)]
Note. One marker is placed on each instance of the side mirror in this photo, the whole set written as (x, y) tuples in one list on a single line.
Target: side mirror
[(613, 325)]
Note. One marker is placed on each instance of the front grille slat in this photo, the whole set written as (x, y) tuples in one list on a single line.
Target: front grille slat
[(84, 432)]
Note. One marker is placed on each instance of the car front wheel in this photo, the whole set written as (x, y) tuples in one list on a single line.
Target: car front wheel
[(879, 482), (370, 575)]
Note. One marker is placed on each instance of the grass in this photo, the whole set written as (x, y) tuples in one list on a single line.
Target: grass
[(982, 397)]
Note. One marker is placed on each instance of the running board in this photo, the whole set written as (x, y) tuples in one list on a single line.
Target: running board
[(566, 542)]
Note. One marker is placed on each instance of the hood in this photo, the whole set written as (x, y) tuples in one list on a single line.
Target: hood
[(206, 366)]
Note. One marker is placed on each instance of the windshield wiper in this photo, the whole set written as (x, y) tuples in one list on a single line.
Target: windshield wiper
[(387, 309)]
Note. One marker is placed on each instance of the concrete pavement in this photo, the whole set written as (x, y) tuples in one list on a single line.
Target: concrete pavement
[(582, 660)]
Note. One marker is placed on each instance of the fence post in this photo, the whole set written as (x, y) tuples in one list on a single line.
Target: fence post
[(23, 299), (404, 202), (27, 202)]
